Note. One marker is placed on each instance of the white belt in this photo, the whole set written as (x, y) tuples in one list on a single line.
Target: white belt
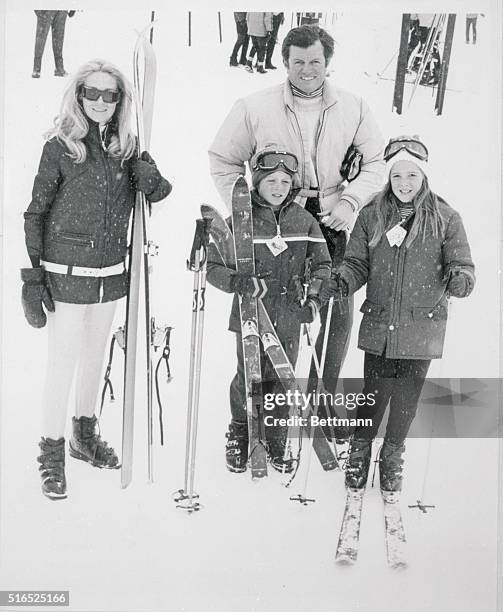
[(80, 271)]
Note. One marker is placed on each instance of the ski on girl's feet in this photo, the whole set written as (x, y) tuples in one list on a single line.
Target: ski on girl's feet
[(347, 548), (242, 221), (394, 531)]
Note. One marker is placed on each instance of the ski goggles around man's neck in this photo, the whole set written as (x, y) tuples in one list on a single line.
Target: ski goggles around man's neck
[(272, 160), (411, 145)]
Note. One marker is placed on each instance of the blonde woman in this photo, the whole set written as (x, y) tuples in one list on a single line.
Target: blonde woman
[(76, 236)]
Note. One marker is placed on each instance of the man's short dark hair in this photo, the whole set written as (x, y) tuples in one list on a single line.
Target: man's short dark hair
[(305, 36)]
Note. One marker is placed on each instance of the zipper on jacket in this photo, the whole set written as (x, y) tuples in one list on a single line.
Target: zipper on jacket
[(74, 239), (397, 294), (316, 142), (299, 134), (107, 212)]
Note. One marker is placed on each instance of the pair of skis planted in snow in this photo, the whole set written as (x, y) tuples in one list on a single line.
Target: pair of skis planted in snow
[(257, 327)]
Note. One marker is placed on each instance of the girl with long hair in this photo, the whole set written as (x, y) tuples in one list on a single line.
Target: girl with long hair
[(410, 248), (76, 236)]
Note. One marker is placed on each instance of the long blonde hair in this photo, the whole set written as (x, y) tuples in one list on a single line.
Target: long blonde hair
[(71, 125), (427, 214)]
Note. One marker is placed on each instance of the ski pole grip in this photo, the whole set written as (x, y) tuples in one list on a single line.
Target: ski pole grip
[(201, 241)]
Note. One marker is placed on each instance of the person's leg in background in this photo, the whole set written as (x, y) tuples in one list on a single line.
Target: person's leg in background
[(44, 20), (58, 37)]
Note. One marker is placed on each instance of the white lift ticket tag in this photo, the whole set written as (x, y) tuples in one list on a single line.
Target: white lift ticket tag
[(277, 245), (396, 235)]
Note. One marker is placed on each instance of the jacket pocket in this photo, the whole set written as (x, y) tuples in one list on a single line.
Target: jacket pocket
[(74, 239), (431, 313), (372, 310)]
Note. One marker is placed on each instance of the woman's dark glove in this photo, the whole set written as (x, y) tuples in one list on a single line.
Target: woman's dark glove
[(33, 295), (146, 176)]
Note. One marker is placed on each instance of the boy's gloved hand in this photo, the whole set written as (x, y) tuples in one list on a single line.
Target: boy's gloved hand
[(247, 285), (295, 292), (310, 310), (335, 287), (460, 284), (33, 295), (146, 176)]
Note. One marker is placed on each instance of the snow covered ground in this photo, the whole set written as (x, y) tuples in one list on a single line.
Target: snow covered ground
[(250, 548)]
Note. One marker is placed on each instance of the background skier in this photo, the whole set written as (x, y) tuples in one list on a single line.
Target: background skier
[(241, 41), (259, 29), (55, 21), (76, 236)]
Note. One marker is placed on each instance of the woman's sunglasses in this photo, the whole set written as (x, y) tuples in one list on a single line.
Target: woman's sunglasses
[(107, 95)]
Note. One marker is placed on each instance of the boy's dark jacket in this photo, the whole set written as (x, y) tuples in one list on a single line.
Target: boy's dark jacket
[(405, 313), (301, 232), (79, 215)]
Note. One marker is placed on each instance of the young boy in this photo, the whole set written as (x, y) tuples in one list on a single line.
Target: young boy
[(285, 236)]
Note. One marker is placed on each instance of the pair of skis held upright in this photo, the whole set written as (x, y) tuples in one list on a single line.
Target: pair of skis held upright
[(403, 61), (141, 249), (237, 252)]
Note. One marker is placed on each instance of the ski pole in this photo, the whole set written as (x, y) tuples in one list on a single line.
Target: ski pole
[(196, 263), (220, 26), (380, 74), (190, 28), (152, 19)]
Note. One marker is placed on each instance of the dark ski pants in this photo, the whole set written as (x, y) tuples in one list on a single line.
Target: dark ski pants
[(270, 384), (471, 22), (47, 20), (398, 382), (271, 42), (241, 43), (259, 47), (341, 320)]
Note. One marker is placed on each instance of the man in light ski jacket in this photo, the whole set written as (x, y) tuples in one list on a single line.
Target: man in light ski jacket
[(318, 123)]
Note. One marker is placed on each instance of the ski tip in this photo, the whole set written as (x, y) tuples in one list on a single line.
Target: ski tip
[(258, 476), (240, 183), (205, 209), (399, 566), (330, 465), (344, 560)]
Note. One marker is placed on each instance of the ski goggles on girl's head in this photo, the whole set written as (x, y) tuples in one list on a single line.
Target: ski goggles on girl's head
[(272, 160), (107, 95), (411, 145)]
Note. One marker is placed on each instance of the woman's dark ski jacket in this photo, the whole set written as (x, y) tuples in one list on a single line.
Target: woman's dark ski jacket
[(79, 216)]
